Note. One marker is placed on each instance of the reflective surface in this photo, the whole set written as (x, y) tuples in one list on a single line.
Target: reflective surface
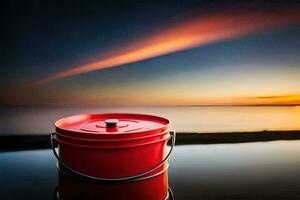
[(261, 170)]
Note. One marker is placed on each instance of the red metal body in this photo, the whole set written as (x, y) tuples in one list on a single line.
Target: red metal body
[(114, 146)]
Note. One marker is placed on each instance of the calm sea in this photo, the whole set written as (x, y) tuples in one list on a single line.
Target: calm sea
[(39, 120)]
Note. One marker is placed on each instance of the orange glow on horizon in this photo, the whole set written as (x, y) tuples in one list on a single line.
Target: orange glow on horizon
[(124, 99), (194, 32), (292, 99)]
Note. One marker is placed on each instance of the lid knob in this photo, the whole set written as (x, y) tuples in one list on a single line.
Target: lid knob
[(111, 123)]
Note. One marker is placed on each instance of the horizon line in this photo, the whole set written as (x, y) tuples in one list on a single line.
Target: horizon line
[(92, 105)]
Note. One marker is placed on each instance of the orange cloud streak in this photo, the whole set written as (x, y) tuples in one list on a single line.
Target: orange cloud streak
[(187, 34), (291, 99)]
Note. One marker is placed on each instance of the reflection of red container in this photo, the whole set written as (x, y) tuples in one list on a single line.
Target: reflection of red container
[(129, 149), (153, 188)]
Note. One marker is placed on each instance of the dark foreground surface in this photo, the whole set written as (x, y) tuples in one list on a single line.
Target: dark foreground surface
[(25, 142), (257, 170)]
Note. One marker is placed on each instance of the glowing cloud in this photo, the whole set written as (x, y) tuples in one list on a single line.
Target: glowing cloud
[(291, 99), (186, 34)]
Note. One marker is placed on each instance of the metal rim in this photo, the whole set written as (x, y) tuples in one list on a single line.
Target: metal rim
[(123, 179)]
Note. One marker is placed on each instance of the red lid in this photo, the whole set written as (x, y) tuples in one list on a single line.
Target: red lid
[(110, 124)]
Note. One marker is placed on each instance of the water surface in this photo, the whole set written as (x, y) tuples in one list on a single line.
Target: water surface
[(39, 120), (260, 170)]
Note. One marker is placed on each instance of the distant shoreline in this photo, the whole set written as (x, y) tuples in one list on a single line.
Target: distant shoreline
[(236, 137), (27, 142)]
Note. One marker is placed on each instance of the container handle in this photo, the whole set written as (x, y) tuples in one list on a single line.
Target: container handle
[(123, 179)]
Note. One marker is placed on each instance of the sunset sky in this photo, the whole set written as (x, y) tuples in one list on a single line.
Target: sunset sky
[(138, 53)]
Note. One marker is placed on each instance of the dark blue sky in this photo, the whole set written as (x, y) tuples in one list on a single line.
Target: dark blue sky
[(44, 37)]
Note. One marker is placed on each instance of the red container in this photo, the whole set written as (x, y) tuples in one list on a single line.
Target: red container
[(126, 150)]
